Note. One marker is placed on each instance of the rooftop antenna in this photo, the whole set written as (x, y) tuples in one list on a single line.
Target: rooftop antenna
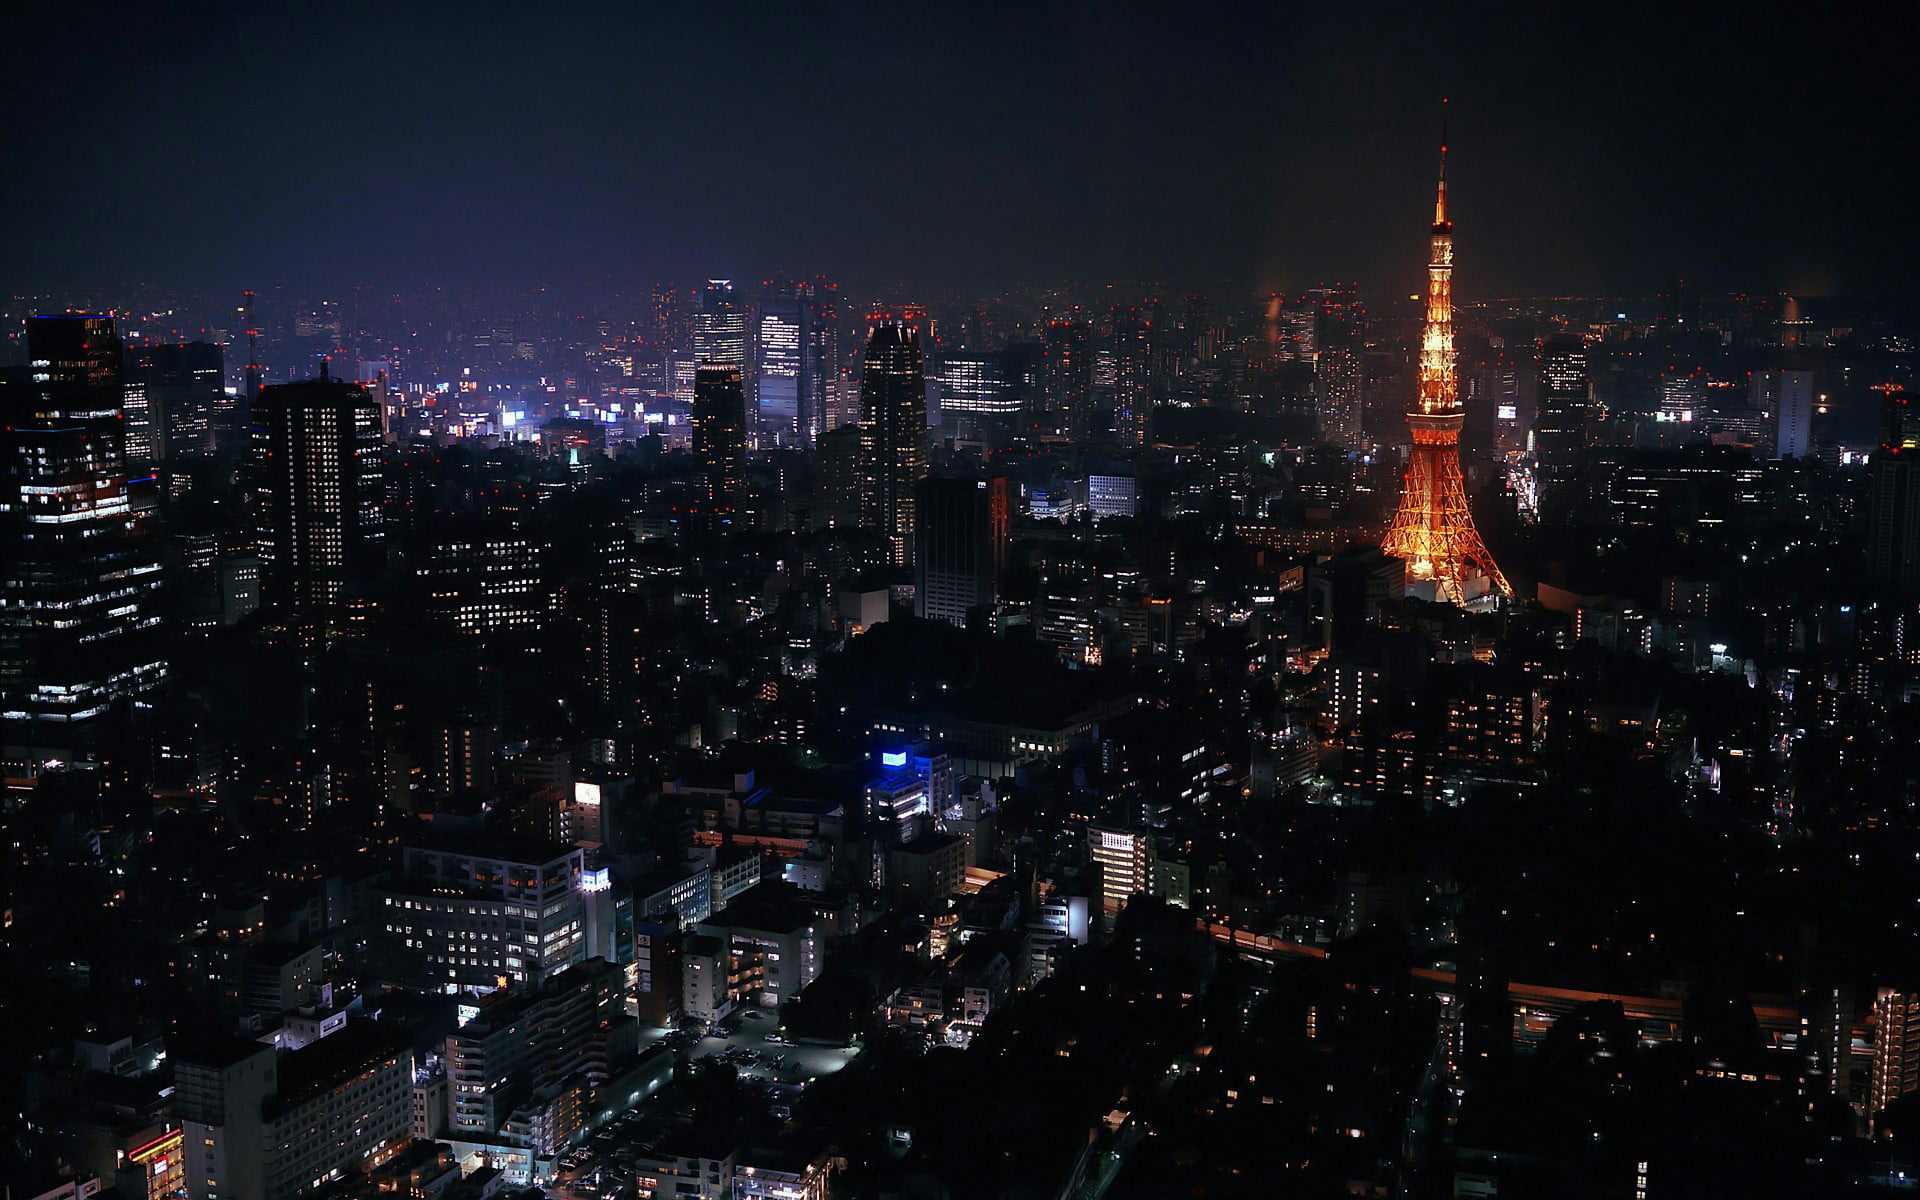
[(253, 354)]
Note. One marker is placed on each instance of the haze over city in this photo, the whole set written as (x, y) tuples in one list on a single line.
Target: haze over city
[(1082, 602)]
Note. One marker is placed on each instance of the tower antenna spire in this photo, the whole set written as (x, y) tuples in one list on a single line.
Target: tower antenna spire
[(1432, 531), (253, 354)]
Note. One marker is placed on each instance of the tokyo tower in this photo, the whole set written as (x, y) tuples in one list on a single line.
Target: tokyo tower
[(1433, 530)]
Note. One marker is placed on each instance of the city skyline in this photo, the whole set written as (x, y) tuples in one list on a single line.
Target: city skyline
[(1101, 602)]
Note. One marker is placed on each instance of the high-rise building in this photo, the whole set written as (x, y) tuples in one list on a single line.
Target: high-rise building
[(1067, 376), (1122, 865), (317, 489), (1896, 1048), (839, 480), (1560, 433), (479, 578), (183, 388), (1337, 379), (1683, 397), (720, 438), (782, 373), (1893, 503), (672, 328), (532, 1057), (1433, 530), (953, 549), (720, 327), (1136, 361), (977, 383), (796, 362), (481, 915), (820, 352), (893, 433), (263, 1125), (79, 610), (1787, 396), (1196, 331)]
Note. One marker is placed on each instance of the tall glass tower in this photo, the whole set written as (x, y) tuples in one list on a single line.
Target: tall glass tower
[(893, 433), (79, 610)]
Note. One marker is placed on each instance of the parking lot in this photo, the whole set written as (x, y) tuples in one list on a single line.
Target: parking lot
[(747, 1047)]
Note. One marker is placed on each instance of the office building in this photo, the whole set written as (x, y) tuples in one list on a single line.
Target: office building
[(899, 807), (79, 603), (720, 327), (479, 578), (953, 549), (893, 434), (1067, 376), (977, 384), (1893, 500), (483, 914), (1113, 496), (265, 1125), (1123, 861), (774, 945), (524, 1068), (182, 388), (1683, 397), (839, 478), (795, 364), (1787, 396), (782, 393), (317, 491), (720, 440), (1560, 433)]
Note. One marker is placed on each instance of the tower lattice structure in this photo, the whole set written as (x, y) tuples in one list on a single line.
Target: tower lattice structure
[(1433, 529)]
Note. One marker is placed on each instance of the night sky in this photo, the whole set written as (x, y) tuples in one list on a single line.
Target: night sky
[(939, 146)]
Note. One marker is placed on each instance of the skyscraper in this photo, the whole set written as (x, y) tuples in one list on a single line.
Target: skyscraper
[(78, 606), (820, 356), (893, 433), (317, 485), (720, 327), (794, 362), (1433, 531), (720, 438), (183, 386), (1067, 376), (1787, 396), (1893, 504), (1123, 866), (839, 487), (953, 555), (1560, 436)]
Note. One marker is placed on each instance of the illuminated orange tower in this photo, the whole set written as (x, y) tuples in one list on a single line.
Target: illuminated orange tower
[(1433, 530)]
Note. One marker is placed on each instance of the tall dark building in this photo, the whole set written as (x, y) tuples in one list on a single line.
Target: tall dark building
[(1067, 377), (183, 387), (317, 491), (953, 549), (1893, 505), (1196, 331), (79, 613), (720, 438), (1560, 431), (839, 477), (893, 433)]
